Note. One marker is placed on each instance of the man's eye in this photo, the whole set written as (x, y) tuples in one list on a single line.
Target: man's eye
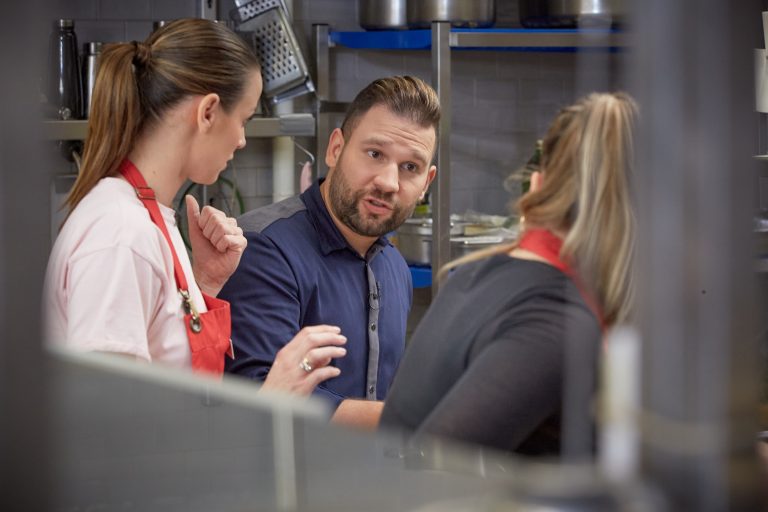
[(410, 167), (373, 153)]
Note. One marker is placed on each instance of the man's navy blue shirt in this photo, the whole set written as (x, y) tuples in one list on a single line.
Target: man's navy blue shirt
[(298, 270)]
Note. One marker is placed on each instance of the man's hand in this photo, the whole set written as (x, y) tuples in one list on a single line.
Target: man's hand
[(217, 245), (303, 362)]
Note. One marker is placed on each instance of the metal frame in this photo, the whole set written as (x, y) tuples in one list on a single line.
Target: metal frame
[(323, 92), (541, 39), (441, 187)]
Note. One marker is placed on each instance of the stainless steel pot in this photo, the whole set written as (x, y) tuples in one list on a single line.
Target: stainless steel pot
[(461, 13), (414, 240), (382, 14), (571, 13)]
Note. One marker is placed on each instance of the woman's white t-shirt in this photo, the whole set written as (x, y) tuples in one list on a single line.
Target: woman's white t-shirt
[(109, 283)]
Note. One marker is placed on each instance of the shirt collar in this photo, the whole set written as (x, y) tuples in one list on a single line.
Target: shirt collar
[(329, 235)]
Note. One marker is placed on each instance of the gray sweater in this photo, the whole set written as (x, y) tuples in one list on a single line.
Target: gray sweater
[(487, 362)]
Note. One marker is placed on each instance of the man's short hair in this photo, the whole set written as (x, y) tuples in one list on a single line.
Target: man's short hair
[(405, 96)]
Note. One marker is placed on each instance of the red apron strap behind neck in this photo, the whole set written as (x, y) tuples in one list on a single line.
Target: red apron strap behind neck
[(546, 245)]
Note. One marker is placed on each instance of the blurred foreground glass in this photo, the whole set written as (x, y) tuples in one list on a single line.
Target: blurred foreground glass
[(134, 436)]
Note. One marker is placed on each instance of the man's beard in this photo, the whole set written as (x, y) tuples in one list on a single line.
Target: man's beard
[(345, 205)]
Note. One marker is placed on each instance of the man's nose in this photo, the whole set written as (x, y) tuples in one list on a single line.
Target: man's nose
[(388, 179)]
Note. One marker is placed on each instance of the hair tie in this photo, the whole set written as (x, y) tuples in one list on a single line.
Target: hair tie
[(141, 53)]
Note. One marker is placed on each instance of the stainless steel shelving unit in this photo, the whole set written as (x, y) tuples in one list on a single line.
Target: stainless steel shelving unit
[(538, 39), (285, 125), (441, 40)]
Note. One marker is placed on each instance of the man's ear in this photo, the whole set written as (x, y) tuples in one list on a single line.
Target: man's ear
[(430, 176), (207, 109), (335, 145)]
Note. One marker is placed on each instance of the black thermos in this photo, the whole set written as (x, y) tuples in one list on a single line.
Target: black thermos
[(65, 91)]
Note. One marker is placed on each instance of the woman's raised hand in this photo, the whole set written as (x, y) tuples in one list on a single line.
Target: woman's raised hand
[(217, 245)]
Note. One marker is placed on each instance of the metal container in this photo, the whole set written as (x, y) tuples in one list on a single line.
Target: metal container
[(414, 241), (382, 14), (461, 13), (571, 13), (91, 54)]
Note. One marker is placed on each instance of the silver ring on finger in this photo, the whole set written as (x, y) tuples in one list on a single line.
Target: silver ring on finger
[(304, 365)]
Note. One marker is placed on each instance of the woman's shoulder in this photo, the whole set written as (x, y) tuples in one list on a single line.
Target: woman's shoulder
[(522, 284), (501, 267), (110, 216)]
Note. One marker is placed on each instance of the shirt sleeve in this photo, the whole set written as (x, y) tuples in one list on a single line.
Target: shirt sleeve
[(112, 296), (266, 310), (507, 390), (265, 307)]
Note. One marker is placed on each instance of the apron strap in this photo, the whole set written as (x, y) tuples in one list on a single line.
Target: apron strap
[(545, 244), (208, 345), (147, 196)]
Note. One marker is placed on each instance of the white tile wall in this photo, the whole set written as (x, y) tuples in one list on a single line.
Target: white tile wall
[(171, 9), (125, 10)]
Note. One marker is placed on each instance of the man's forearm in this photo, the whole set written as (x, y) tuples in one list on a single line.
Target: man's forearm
[(361, 414)]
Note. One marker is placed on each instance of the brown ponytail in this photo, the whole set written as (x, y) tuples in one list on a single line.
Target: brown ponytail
[(114, 121), (138, 82)]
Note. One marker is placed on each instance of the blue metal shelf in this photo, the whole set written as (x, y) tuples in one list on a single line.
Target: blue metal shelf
[(421, 276), (512, 39), (384, 39)]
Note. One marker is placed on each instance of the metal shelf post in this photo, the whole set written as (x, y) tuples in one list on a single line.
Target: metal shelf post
[(441, 187), (322, 81)]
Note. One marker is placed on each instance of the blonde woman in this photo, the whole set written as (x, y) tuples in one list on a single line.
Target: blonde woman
[(486, 363)]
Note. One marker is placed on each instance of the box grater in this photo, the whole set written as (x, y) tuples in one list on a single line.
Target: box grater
[(283, 68), (246, 10)]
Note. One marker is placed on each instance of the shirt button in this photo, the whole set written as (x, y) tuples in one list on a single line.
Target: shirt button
[(370, 389), (373, 327)]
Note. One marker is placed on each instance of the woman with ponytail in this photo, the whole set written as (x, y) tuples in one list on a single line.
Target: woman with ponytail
[(486, 364), (119, 280)]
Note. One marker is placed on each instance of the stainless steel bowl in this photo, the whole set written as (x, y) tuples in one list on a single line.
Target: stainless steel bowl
[(571, 13), (382, 14), (461, 13), (414, 241)]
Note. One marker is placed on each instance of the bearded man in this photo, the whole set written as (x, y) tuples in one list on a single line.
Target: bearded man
[(322, 257)]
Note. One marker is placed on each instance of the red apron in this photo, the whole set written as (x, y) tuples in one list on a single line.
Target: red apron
[(543, 243), (208, 332)]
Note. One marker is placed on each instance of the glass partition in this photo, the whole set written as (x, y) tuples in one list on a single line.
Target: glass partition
[(130, 436)]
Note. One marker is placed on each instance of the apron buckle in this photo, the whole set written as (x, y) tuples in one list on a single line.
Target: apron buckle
[(195, 324)]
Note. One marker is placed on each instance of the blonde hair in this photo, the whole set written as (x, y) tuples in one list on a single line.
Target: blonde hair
[(138, 82), (586, 161)]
